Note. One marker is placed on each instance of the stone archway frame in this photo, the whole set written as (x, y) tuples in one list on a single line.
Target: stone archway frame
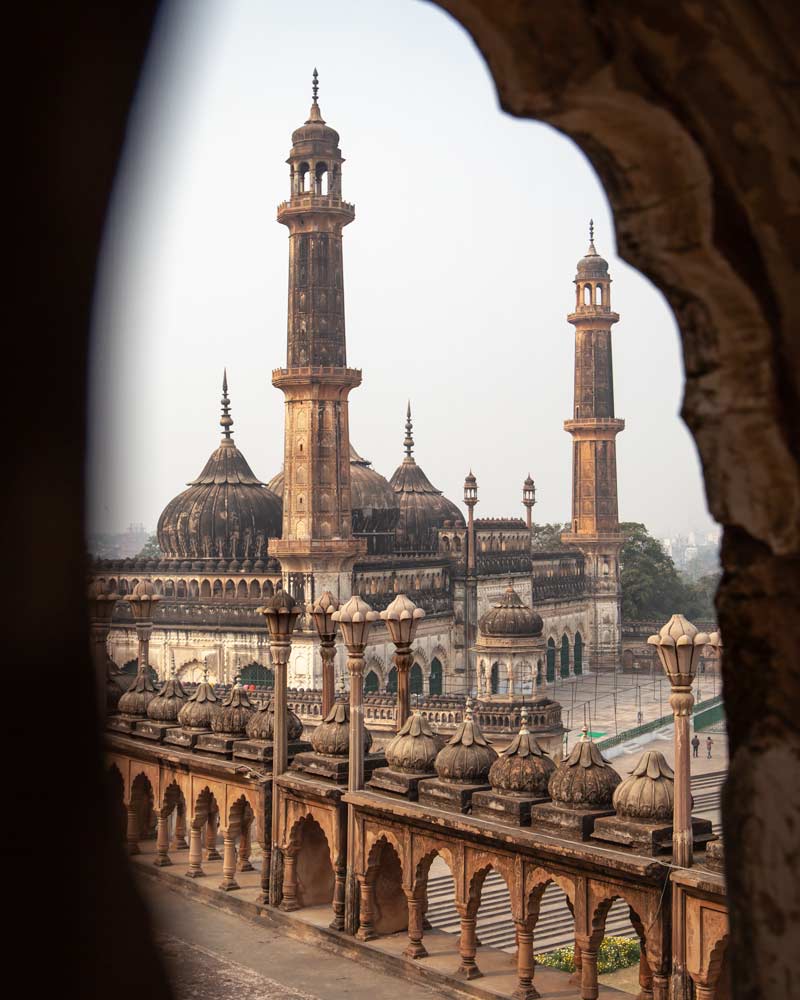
[(424, 850), (478, 864), (704, 214)]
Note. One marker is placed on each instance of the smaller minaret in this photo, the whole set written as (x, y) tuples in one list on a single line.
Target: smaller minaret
[(408, 441), (226, 420), (529, 500), (470, 499)]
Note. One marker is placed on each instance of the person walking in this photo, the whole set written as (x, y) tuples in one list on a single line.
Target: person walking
[(695, 745), (709, 745)]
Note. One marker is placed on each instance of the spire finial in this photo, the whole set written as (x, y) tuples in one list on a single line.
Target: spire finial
[(226, 420), (315, 85), (468, 710), (408, 442), (592, 249), (524, 719), (205, 670)]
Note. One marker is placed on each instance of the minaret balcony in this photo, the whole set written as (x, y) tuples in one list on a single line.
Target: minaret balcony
[(586, 313), (302, 204), (298, 378), (596, 428)]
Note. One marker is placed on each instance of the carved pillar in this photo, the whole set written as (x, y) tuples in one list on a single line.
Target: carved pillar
[(645, 974), (660, 987), (355, 780), (279, 650), (589, 990), (133, 830), (366, 928), (416, 922), (229, 860), (245, 845), (327, 649), (179, 840), (339, 892), (467, 947), (403, 659), (143, 632), (162, 840), (525, 963), (681, 701), (212, 825), (289, 901), (195, 852), (703, 991)]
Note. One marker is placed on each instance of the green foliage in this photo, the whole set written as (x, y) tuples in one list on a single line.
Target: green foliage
[(651, 585), (547, 537), (151, 549), (614, 953)]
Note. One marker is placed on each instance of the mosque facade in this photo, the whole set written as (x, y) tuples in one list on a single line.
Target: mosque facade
[(328, 521)]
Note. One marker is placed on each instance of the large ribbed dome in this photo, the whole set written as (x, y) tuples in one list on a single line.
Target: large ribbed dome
[(226, 513), (423, 508), (511, 617)]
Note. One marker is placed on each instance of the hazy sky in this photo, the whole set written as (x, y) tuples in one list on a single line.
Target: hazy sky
[(458, 268)]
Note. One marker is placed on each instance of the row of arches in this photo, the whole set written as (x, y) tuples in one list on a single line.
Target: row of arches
[(567, 657), (168, 820), (206, 589), (592, 294), (374, 682)]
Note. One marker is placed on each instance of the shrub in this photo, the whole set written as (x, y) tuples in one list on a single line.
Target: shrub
[(614, 953)]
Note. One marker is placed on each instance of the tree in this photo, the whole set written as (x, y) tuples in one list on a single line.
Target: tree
[(151, 549), (547, 537), (651, 586)]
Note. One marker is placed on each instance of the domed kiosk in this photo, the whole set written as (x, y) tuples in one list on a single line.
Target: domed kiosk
[(226, 513), (510, 648)]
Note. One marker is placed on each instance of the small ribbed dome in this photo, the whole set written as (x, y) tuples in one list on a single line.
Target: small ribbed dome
[(227, 513), (466, 757), (592, 265), (234, 714), (523, 768), (511, 617), (423, 508), (649, 792), (168, 702), (414, 749), (585, 778), (261, 724), (200, 709), (138, 696), (332, 735)]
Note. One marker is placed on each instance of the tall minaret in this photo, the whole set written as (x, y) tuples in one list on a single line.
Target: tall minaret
[(595, 519), (316, 550)]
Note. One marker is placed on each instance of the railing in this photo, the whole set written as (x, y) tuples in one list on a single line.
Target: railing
[(649, 727)]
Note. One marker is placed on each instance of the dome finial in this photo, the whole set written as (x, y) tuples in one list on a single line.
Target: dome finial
[(591, 249), (315, 85), (226, 420), (408, 442)]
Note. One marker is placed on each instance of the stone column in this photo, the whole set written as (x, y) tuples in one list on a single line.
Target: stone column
[(525, 963), (162, 840), (339, 892), (279, 651), (467, 947), (179, 840), (229, 860), (327, 650), (289, 901), (403, 659), (416, 922), (366, 928), (143, 632), (195, 852), (243, 864), (681, 701), (355, 777), (589, 990), (212, 825), (133, 830), (510, 670)]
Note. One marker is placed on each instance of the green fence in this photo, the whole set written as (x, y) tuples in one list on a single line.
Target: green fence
[(710, 711)]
